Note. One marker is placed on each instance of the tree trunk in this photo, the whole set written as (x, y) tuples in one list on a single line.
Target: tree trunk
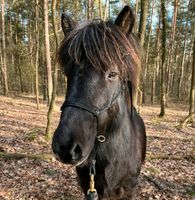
[(163, 39), (106, 10), (52, 103), (47, 52), (156, 65), (37, 53), (100, 8), (143, 19), (153, 88), (11, 53), (44, 74), (136, 16), (144, 85), (87, 9), (175, 63), (170, 59), (141, 34), (30, 48), (1, 64), (180, 80), (192, 91), (181, 70), (4, 61), (20, 75), (91, 8)]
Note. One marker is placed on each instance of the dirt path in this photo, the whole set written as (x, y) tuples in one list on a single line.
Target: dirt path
[(168, 173)]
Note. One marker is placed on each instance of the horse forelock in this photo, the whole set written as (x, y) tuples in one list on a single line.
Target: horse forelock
[(104, 46)]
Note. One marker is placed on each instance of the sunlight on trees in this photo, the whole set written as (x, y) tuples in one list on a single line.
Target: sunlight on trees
[(29, 44)]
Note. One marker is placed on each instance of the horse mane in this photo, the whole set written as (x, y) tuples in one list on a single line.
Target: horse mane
[(104, 46)]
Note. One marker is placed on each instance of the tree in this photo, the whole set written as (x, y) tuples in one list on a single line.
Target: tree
[(143, 18), (47, 52), (4, 62), (90, 7), (183, 57), (37, 53), (136, 15), (172, 42), (147, 55), (106, 9), (156, 64), (163, 41), (141, 34), (52, 103), (100, 8), (192, 88)]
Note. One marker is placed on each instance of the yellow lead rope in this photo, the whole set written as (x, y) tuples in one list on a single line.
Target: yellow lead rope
[(92, 184), (92, 192)]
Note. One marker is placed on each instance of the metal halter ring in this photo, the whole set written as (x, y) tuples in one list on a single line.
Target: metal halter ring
[(101, 138)]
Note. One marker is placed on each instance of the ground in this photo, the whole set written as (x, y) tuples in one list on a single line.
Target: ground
[(168, 172)]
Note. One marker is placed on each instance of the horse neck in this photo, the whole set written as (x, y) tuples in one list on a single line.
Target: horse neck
[(118, 128), (113, 150)]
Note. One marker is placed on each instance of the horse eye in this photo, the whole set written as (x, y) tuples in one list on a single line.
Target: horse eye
[(112, 75)]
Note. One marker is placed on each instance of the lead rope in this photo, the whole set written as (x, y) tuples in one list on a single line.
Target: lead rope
[(92, 192)]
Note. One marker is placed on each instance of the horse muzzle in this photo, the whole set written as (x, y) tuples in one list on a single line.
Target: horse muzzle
[(67, 153)]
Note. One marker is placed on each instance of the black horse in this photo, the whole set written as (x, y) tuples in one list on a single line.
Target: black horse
[(98, 121)]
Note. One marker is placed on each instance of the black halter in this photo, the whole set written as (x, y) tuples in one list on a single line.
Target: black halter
[(92, 194)]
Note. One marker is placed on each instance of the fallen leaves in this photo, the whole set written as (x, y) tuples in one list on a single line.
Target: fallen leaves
[(168, 172)]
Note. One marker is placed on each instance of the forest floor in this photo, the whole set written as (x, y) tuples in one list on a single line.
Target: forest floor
[(168, 172)]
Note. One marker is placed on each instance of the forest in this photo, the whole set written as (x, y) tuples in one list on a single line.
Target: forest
[(33, 87)]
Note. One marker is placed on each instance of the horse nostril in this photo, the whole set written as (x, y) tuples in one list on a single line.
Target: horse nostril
[(76, 152)]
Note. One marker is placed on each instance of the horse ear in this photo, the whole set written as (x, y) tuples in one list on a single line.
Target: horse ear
[(126, 20), (67, 24)]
